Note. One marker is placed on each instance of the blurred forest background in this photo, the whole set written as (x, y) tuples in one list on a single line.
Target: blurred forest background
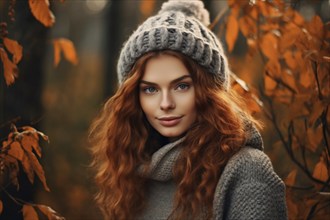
[(59, 94)]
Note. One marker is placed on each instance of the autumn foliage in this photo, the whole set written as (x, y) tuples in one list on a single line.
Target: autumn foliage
[(292, 91), (21, 149), (11, 52), (295, 94)]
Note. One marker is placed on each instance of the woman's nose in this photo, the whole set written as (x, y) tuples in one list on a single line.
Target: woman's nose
[(167, 102)]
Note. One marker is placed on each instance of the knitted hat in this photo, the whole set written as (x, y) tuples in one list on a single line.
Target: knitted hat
[(180, 25)]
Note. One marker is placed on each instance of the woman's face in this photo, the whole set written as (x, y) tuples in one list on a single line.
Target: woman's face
[(167, 96)]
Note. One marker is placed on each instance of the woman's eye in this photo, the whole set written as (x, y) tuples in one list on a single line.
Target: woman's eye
[(149, 90), (182, 86)]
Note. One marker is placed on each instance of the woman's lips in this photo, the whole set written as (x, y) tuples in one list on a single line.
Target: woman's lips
[(169, 121)]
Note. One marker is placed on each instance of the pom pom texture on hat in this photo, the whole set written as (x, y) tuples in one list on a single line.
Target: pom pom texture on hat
[(177, 27), (189, 8)]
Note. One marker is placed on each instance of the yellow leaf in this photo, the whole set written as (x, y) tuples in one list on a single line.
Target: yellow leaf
[(1, 207), (232, 32), (10, 69), (14, 48), (320, 171), (269, 45), (66, 46), (291, 178), (29, 213), (40, 10)]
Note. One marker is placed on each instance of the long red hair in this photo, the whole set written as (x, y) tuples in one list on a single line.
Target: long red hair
[(122, 140)]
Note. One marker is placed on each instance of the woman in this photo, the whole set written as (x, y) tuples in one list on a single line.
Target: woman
[(175, 142)]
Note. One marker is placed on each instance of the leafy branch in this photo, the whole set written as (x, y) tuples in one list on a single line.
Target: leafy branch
[(11, 52), (21, 148), (295, 94)]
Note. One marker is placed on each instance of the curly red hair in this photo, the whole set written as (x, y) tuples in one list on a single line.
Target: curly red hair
[(123, 140)]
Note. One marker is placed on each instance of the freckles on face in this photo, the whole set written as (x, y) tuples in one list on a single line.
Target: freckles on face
[(167, 96)]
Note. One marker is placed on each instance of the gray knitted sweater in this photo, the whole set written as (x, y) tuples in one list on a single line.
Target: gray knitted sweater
[(247, 189)]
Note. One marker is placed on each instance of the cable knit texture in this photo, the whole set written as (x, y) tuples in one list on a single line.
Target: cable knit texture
[(181, 26), (247, 189)]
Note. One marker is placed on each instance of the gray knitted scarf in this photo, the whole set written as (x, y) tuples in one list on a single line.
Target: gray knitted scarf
[(163, 160)]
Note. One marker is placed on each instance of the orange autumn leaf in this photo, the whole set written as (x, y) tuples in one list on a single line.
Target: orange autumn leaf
[(10, 68), (298, 19), (66, 46), (290, 59), (269, 45), (29, 142), (38, 169), (23, 146), (252, 101), (247, 26), (27, 168), (16, 151), (306, 77), (291, 178), (263, 7), (289, 34), (14, 48), (40, 10), (316, 27), (232, 32), (294, 16), (29, 213), (270, 84), (320, 171)]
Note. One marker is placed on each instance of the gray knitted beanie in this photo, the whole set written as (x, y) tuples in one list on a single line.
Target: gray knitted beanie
[(180, 25)]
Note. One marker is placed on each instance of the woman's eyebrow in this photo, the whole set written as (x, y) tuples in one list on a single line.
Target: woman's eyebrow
[(172, 82)]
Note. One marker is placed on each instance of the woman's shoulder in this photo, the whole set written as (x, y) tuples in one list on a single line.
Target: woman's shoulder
[(251, 164), (249, 187)]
